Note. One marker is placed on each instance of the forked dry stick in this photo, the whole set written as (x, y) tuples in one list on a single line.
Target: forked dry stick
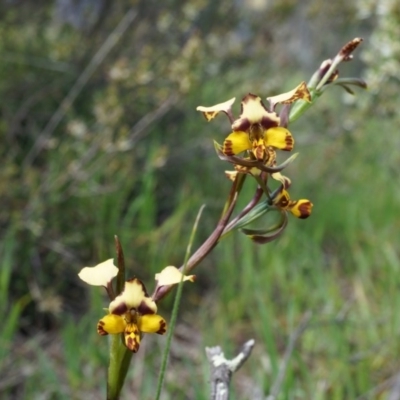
[(222, 369)]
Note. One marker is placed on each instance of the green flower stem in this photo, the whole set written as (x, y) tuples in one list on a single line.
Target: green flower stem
[(202, 251), (120, 358), (176, 308)]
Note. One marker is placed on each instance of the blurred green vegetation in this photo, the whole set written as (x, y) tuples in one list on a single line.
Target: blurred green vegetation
[(130, 156)]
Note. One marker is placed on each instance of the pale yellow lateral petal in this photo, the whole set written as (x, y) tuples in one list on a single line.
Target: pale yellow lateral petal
[(100, 275), (299, 92), (133, 297), (282, 178), (231, 175), (236, 142), (171, 275), (111, 324), (213, 111), (152, 323), (279, 138)]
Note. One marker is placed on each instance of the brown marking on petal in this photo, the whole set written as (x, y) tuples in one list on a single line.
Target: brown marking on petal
[(268, 122), (209, 115), (271, 158), (283, 200), (163, 327), (132, 337), (305, 209), (259, 152), (333, 77), (348, 48), (289, 142), (323, 69), (286, 182), (132, 344), (244, 123), (100, 329), (241, 124), (120, 309), (144, 309), (248, 97), (227, 148), (301, 92)]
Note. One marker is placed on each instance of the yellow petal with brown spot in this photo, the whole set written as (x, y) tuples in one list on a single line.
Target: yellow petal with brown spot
[(152, 323), (279, 138), (301, 208), (111, 324), (236, 143)]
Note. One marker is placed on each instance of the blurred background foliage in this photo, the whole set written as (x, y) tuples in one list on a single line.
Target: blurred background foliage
[(101, 137)]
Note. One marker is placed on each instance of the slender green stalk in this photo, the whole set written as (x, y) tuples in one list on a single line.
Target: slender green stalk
[(175, 309), (120, 356)]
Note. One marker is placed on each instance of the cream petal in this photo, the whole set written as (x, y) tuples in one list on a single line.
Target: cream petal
[(213, 111), (299, 92), (282, 178), (100, 275), (171, 275)]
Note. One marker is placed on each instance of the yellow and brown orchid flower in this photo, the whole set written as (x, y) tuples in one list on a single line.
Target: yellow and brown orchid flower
[(299, 208), (133, 312), (258, 129)]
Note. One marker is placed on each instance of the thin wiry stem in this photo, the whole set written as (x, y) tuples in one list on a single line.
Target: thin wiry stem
[(176, 308), (211, 241), (253, 202)]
